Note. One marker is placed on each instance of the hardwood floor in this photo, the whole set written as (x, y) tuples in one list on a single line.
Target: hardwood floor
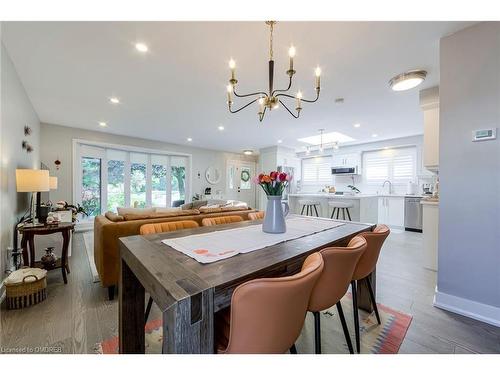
[(78, 315)]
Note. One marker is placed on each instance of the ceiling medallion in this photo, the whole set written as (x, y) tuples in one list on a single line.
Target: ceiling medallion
[(274, 97)]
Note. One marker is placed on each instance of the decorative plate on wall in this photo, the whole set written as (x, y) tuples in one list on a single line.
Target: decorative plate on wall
[(212, 174)]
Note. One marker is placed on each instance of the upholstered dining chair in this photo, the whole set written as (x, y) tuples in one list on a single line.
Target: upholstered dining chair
[(160, 228), (266, 315), (333, 284), (210, 221), (256, 215), (366, 265)]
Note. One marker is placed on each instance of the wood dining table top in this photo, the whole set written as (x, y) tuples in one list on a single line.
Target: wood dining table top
[(171, 276)]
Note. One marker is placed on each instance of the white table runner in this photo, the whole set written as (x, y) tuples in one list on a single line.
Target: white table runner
[(214, 246)]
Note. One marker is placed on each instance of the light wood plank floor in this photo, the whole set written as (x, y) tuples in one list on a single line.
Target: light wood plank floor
[(78, 315)]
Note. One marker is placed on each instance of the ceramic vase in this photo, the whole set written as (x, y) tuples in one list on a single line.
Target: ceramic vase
[(276, 211)]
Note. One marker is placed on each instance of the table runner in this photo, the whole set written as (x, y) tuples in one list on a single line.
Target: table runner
[(218, 245)]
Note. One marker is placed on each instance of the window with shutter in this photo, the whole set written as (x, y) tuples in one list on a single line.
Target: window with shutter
[(317, 170), (397, 165)]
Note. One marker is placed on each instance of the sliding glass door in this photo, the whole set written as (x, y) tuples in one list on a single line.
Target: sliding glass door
[(107, 178)]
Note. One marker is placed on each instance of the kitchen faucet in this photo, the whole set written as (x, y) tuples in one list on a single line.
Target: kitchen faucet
[(390, 186)]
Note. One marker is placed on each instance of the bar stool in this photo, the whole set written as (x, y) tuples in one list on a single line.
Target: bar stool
[(308, 205), (337, 206)]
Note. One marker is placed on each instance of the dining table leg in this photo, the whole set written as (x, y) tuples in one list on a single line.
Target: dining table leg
[(131, 312), (189, 324), (364, 301)]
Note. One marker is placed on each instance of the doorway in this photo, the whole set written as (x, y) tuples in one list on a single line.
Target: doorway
[(239, 176)]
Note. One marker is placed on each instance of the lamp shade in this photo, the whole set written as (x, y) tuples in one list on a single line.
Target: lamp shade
[(32, 180), (52, 183)]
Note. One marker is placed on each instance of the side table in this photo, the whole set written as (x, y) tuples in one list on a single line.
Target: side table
[(29, 232)]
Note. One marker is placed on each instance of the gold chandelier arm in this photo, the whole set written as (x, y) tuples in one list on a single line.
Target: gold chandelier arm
[(285, 90), (262, 114), (246, 105), (303, 100), (289, 111), (261, 93)]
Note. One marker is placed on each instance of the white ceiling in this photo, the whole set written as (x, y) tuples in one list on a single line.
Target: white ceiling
[(177, 90)]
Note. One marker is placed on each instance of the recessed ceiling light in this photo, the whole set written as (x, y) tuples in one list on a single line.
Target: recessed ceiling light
[(248, 152), (103, 124), (357, 125), (374, 135), (114, 100), (141, 47), (190, 139), (220, 127), (407, 80), (280, 141)]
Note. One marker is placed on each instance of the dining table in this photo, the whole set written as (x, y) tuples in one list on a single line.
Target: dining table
[(189, 293)]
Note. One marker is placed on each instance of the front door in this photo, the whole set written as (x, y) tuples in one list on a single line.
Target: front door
[(239, 181)]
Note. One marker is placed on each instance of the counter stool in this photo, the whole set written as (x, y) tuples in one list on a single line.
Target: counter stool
[(308, 205), (337, 206)]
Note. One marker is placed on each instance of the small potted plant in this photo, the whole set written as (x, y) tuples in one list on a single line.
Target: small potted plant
[(273, 185)]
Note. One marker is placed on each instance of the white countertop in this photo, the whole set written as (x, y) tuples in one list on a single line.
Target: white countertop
[(354, 196)]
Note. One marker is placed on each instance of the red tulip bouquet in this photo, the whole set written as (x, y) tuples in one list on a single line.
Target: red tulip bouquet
[(274, 183)]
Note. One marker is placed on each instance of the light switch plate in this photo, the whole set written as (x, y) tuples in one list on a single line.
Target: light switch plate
[(484, 135)]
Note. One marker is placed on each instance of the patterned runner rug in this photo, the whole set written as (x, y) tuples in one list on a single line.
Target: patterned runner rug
[(385, 338)]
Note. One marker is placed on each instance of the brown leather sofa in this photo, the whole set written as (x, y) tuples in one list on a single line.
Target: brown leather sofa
[(110, 227)]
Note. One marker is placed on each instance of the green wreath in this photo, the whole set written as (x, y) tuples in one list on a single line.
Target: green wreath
[(245, 176)]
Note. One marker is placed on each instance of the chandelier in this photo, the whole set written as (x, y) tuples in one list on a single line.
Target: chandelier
[(274, 97)]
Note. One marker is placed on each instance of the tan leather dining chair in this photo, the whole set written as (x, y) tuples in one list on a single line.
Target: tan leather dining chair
[(267, 315), (210, 221), (366, 265), (167, 226), (160, 228), (333, 284), (256, 215)]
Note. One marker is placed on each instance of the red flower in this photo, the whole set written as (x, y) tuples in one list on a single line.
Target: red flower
[(273, 175), (261, 176), (282, 177)]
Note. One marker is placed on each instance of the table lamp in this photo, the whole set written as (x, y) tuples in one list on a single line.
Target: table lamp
[(32, 181)]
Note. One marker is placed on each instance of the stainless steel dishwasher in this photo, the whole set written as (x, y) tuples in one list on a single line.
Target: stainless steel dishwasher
[(413, 214)]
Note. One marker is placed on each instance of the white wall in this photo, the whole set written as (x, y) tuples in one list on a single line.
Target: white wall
[(341, 182), (469, 223), (57, 142), (16, 112)]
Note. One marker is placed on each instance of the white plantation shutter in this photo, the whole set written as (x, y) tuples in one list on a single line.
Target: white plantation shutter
[(316, 170), (397, 165)]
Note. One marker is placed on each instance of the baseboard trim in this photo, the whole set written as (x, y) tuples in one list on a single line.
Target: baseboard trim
[(472, 309)]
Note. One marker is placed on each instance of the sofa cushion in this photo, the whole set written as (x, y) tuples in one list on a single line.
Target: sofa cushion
[(130, 217), (157, 215), (134, 211), (210, 209), (193, 205), (166, 210), (114, 217)]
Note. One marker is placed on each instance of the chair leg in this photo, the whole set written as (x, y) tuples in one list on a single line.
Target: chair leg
[(356, 316), (307, 210), (317, 332), (148, 309), (372, 298), (293, 349), (303, 208), (348, 214), (344, 327), (316, 210), (343, 213), (338, 212), (333, 213)]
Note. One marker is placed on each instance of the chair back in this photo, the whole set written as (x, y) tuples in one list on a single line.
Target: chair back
[(368, 260), (210, 221), (267, 315), (334, 281), (256, 215), (170, 226)]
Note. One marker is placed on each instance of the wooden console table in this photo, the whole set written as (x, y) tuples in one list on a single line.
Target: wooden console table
[(29, 232)]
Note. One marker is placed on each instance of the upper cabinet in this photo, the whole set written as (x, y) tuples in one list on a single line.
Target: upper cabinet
[(429, 102), (346, 160)]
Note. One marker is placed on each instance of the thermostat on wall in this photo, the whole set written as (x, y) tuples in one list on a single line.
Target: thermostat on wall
[(484, 135)]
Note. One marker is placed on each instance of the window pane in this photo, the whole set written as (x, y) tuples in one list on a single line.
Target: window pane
[(91, 185), (159, 186), (178, 180), (138, 185), (317, 170), (116, 184)]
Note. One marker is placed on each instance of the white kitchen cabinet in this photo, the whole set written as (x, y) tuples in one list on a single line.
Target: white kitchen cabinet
[(391, 211), (347, 160), (429, 102)]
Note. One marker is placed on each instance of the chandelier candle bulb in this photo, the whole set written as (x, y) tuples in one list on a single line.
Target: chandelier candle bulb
[(318, 76), (291, 53), (229, 91), (232, 66)]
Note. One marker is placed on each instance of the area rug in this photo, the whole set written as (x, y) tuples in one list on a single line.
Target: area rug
[(385, 338), (88, 239)]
